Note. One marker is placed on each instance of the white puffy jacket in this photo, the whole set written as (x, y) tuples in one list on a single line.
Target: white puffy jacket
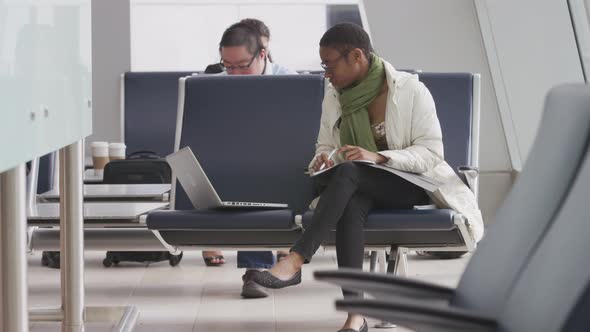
[(415, 142)]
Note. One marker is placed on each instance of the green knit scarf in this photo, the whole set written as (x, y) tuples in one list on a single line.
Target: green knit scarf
[(355, 127)]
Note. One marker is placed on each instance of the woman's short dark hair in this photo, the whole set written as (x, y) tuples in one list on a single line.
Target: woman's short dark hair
[(258, 25), (241, 34), (345, 37)]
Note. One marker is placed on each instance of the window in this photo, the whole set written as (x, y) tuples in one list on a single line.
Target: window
[(344, 13), (184, 35)]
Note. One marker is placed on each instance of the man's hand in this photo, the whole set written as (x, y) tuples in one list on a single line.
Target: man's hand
[(352, 152), (320, 160)]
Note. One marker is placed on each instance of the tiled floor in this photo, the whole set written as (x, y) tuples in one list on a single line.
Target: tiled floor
[(192, 297)]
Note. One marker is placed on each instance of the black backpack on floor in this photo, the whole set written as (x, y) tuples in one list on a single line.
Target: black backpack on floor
[(139, 167)]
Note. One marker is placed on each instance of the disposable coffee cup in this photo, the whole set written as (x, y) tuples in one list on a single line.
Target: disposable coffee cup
[(117, 151), (100, 156)]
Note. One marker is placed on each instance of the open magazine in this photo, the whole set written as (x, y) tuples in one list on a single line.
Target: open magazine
[(423, 181)]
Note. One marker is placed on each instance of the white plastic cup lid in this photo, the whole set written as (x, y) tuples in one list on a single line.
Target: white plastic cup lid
[(99, 145), (117, 146), (100, 149)]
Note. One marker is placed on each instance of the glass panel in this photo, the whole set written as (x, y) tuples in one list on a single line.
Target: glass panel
[(186, 36), (292, 43), (187, 33), (344, 13), (45, 77)]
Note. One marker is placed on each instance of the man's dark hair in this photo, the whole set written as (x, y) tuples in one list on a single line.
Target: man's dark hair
[(241, 34), (258, 25), (345, 37), (262, 29)]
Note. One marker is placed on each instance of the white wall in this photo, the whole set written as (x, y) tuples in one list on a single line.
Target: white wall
[(185, 35), (111, 57), (533, 46), (296, 31), (434, 35), (169, 37)]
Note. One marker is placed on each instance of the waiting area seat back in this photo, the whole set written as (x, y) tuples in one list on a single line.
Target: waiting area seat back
[(253, 136), (453, 97), (150, 102)]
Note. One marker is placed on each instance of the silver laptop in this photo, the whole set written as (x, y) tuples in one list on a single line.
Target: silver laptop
[(198, 188)]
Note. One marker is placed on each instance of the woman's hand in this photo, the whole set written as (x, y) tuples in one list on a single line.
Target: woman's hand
[(352, 152), (320, 160)]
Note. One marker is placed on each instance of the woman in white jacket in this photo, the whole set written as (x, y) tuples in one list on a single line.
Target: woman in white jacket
[(370, 112)]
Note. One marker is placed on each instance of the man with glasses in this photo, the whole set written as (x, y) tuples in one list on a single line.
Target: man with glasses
[(264, 32), (215, 258), (243, 53)]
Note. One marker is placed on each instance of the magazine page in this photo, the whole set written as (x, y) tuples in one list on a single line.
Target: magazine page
[(420, 180), (368, 162)]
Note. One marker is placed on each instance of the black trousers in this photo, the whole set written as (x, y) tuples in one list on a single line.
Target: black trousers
[(348, 193)]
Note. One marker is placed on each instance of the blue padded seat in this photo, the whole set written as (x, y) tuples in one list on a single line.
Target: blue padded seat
[(217, 219), (150, 101), (192, 235), (405, 228), (404, 220), (411, 220), (46, 170), (278, 238)]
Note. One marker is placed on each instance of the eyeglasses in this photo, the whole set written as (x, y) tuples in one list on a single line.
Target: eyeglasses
[(326, 67), (243, 67)]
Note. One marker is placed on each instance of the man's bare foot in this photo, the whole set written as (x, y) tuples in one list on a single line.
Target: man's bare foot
[(288, 266), (213, 258)]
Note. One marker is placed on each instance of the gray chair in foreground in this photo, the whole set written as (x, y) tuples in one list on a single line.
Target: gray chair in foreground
[(517, 279), (551, 294)]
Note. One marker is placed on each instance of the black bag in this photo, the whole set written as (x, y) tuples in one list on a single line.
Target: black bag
[(214, 68), (50, 259), (139, 167), (114, 257)]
